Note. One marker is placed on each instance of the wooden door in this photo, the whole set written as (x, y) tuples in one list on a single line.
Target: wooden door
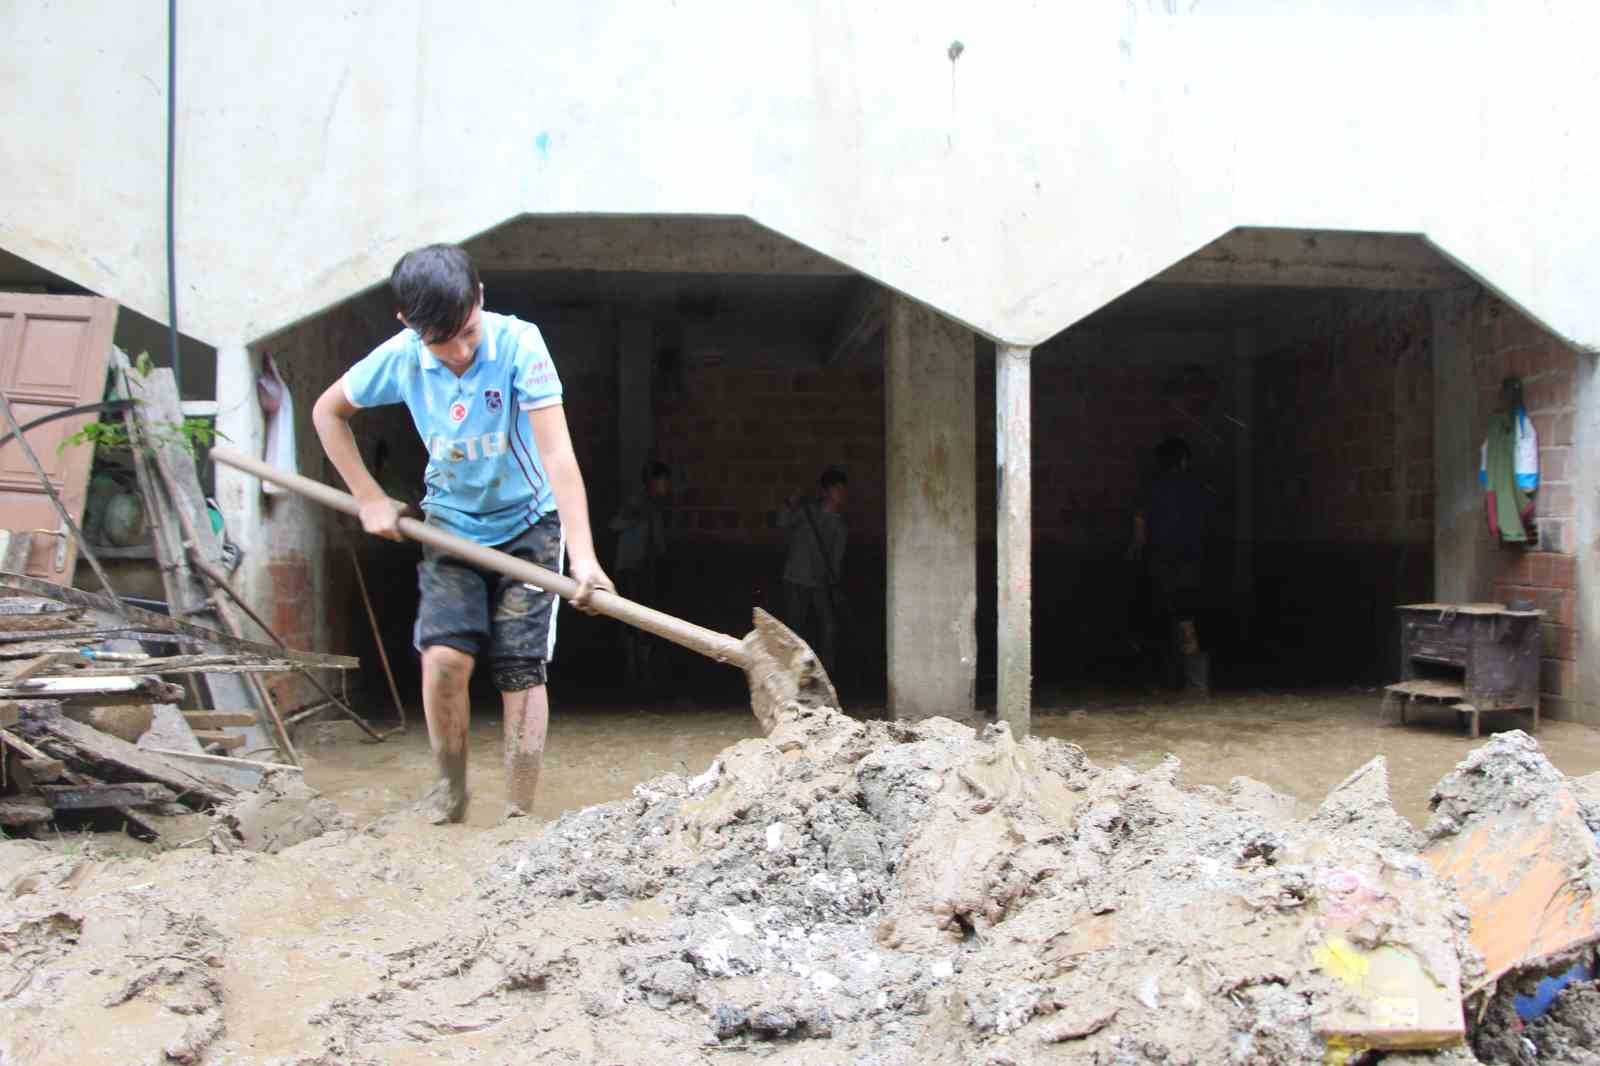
[(53, 353)]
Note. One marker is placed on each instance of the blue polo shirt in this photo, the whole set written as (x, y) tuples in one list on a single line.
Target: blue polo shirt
[(484, 478)]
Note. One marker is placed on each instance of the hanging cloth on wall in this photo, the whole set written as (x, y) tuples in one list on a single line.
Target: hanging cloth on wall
[(278, 406), (1509, 468)]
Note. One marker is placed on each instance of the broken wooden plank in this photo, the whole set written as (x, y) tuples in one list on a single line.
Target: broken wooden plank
[(90, 633), (39, 771), (116, 759), (253, 764), (163, 624), (9, 713), (33, 766), (19, 812), (217, 719), (99, 796), (175, 664), (135, 823), (34, 648), (229, 741), (89, 691), (38, 666), (1431, 690), (20, 606), (15, 624), (1520, 874), (20, 746)]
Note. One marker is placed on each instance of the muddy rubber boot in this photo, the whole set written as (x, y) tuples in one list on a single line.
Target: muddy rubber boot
[(522, 782), (446, 801)]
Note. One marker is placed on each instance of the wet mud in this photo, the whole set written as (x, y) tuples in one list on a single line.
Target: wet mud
[(837, 892), (1300, 744)]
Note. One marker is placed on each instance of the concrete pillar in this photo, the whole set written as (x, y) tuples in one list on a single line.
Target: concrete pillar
[(931, 459), (1585, 473), (1244, 472), (240, 422), (1460, 549), (635, 406), (1014, 536)]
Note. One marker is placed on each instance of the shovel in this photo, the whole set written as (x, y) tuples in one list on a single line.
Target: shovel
[(781, 669)]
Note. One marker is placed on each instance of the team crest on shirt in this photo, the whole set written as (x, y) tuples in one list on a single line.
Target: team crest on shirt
[(458, 412), (491, 400)]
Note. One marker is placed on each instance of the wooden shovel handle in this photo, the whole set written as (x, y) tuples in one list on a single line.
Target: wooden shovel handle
[(707, 642)]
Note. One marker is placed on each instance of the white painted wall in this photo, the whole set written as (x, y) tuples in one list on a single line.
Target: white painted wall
[(1070, 152)]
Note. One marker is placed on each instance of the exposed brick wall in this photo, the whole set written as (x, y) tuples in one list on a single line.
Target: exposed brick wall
[(1506, 343), (1344, 484), (745, 419), (1345, 449), (1342, 436), (742, 437), (1102, 402)]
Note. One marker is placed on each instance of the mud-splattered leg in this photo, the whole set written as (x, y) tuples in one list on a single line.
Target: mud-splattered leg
[(527, 720), (445, 674)]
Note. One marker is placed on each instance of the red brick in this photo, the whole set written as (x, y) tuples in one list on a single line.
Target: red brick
[(1549, 392), (1561, 430), (1550, 355), (1507, 592), (1554, 501), (1555, 603), (1554, 464), (1563, 572), (1517, 566)]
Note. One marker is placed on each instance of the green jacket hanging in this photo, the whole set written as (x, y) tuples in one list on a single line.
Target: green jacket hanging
[(1510, 470)]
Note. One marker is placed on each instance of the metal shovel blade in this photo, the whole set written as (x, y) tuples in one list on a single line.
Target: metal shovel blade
[(783, 672)]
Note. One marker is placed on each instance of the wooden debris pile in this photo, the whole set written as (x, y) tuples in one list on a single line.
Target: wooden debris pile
[(91, 685), (91, 731)]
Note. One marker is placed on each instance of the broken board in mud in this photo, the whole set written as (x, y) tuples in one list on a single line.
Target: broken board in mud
[(114, 759), (1394, 1002), (1520, 875)]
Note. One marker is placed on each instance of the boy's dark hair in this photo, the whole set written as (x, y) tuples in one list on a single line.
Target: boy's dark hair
[(653, 470), (831, 477), (435, 289), (1172, 453)]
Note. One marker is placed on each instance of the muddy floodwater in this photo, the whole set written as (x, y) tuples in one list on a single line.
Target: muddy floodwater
[(1300, 743)]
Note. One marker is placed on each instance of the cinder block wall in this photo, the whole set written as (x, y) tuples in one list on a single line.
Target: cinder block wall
[(1100, 407), (1507, 343), (744, 422), (1344, 486)]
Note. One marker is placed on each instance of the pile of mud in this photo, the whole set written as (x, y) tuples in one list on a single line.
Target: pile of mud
[(873, 893)]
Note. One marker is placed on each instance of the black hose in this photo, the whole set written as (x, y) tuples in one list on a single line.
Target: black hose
[(114, 407), (172, 156)]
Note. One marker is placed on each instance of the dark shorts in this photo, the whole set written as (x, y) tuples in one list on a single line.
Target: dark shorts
[(481, 612)]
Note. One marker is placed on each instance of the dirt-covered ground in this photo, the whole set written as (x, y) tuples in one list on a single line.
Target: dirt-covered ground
[(1300, 743), (841, 892)]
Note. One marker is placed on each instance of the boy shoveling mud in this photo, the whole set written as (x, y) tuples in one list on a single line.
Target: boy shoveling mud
[(484, 396)]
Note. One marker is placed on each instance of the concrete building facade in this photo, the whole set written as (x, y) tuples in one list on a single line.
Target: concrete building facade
[(986, 257)]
